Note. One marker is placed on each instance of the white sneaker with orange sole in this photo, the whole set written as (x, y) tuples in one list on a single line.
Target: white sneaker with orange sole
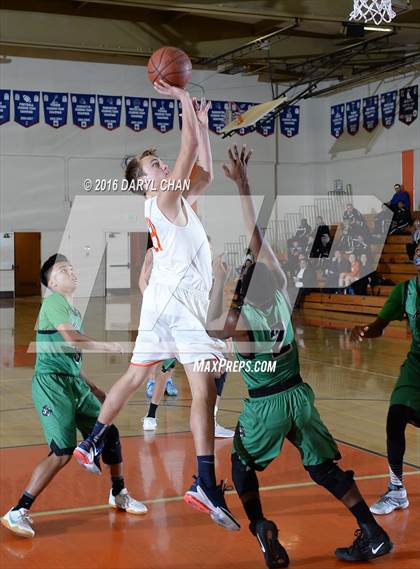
[(123, 501), (19, 522)]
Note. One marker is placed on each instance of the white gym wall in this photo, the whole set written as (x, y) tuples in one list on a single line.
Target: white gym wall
[(42, 169)]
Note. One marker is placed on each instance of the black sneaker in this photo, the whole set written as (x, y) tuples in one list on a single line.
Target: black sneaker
[(369, 544), (274, 553)]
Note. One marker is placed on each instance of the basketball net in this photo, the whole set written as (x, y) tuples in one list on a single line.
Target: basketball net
[(376, 11)]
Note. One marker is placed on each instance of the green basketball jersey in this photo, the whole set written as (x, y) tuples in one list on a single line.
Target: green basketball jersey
[(270, 331), (405, 299), (53, 354)]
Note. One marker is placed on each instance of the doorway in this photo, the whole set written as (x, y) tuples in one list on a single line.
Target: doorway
[(27, 264)]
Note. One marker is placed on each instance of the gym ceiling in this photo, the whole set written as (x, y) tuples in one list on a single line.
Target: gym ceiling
[(279, 41)]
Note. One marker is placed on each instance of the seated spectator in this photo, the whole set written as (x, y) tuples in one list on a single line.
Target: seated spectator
[(304, 276), (339, 264), (366, 275), (359, 245), (295, 249), (382, 222), (346, 240), (248, 257), (347, 279), (321, 228), (323, 249), (303, 232), (309, 246), (399, 196), (415, 235), (352, 215), (400, 221)]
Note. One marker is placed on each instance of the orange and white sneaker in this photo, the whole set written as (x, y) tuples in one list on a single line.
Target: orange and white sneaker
[(19, 522), (123, 501)]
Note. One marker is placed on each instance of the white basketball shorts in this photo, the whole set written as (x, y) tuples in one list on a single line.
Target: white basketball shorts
[(172, 325)]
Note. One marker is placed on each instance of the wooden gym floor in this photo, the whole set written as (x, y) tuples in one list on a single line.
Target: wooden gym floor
[(75, 528)]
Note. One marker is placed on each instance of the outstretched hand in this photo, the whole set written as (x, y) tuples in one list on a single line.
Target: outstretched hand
[(165, 88), (220, 269), (359, 333), (237, 168), (201, 110)]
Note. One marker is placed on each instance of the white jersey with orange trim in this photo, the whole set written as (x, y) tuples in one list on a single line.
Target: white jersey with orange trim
[(181, 256), (176, 300)]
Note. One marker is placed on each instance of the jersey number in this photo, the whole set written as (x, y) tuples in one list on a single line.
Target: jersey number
[(154, 236), (277, 335)]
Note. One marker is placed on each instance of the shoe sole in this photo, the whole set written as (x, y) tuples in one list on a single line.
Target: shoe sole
[(224, 521), (16, 530), (132, 512), (377, 513), (192, 501), (81, 456)]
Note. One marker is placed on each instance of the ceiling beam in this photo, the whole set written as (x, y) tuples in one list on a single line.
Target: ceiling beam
[(233, 11)]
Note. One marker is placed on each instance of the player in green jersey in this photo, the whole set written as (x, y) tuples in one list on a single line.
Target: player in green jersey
[(64, 398), (404, 408), (280, 405)]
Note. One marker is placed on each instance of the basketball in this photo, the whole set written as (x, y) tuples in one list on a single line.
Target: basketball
[(170, 64)]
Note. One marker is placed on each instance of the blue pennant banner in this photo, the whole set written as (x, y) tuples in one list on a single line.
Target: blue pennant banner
[(4, 105), (136, 112), (388, 108), (55, 108), (239, 108), (337, 120), (26, 107), (409, 104), (353, 116), (289, 120), (219, 113), (267, 126), (370, 112), (163, 114), (109, 111), (83, 107)]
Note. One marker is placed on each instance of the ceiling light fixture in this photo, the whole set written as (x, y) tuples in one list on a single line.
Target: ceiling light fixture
[(377, 29)]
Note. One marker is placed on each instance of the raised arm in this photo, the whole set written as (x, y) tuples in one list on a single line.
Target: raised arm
[(221, 323), (188, 151), (202, 172), (261, 249)]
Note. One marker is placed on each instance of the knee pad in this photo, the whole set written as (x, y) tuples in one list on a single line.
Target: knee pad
[(332, 478), (111, 453), (220, 382), (243, 476)]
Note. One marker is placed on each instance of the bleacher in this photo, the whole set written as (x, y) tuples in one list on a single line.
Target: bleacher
[(333, 310)]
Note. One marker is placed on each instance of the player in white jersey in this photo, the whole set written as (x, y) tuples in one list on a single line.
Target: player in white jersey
[(174, 309)]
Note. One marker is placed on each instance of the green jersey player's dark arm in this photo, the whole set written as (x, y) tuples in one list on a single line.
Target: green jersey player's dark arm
[(228, 325), (373, 330), (261, 249)]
